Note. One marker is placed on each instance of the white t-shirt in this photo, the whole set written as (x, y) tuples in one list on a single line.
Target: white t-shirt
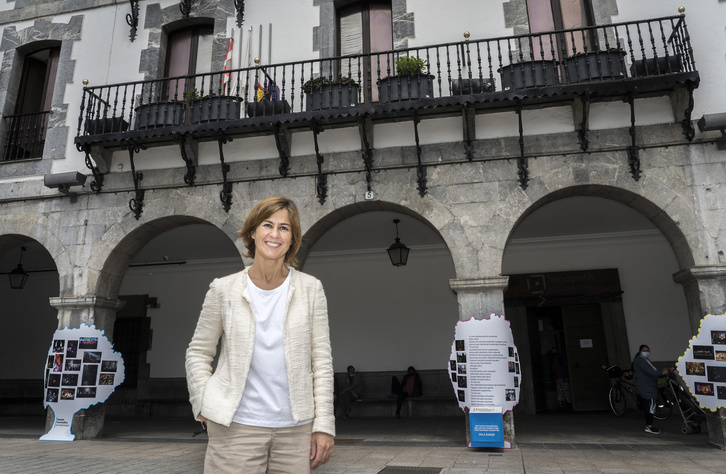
[(266, 400)]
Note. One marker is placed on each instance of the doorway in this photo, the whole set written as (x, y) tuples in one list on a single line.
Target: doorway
[(576, 332), (578, 313)]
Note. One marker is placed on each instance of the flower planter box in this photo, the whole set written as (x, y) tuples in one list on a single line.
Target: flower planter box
[(656, 66), (159, 114), (472, 86), (267, 107), (105, 125), (529, 74), (595, 66), (396, 88), (214, 109), (332, 96)]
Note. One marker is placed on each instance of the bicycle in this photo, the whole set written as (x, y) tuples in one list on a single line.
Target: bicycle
[(619, 402)]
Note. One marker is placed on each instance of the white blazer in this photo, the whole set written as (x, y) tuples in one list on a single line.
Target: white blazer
[(227, 315)]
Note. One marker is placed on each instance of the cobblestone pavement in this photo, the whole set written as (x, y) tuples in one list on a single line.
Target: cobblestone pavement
[(552, 443)]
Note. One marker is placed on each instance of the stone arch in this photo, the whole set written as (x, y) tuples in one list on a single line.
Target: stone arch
[(14, 233), (670, 228), (320, 227), (400, 198), (113, 268)]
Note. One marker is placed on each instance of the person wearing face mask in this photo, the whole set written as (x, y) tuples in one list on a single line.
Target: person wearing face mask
[(647, 383), (410, 386)]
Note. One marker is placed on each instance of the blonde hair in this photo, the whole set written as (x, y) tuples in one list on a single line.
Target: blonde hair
[(261, 212)]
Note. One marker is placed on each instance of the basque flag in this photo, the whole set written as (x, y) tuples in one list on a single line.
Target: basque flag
[(227, 67)]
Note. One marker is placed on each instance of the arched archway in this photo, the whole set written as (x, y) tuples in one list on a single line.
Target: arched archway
[(385, 318), (161, 271), (591, 273), (660, 218), (26, 314)]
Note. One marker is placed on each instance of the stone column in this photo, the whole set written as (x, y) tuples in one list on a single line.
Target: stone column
[(93, 311), (479, 298), (705, 288)]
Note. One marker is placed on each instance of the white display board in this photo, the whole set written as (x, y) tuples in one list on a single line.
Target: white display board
[(82, 369), (484, 364), (703, 365)]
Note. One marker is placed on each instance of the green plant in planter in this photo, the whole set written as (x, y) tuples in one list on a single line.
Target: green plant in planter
[(411, 66), (192, 94), (317, 83)]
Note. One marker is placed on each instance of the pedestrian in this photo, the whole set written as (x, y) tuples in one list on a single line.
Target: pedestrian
[(647, 383)]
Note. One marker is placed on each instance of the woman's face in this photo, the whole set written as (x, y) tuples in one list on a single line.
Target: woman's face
[(273, 236)]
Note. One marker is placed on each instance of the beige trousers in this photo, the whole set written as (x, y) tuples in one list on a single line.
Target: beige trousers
[(255, 450)]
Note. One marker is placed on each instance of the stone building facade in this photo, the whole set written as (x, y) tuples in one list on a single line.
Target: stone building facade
[(473, 205)]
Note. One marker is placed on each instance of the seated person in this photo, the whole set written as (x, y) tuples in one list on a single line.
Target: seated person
[(410, 386), (349, 394)]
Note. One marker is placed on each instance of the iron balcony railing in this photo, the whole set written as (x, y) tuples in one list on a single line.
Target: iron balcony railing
[(476, 70), (25, 135)]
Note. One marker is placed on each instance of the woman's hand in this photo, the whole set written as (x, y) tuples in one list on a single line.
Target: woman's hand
[(321, 448), (203, 421)]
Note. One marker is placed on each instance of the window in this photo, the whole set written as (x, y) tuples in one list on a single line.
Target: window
[(551, 15), (26, 128), (364, 28), (189, 52)]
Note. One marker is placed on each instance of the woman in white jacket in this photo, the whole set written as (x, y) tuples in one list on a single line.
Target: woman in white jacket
[(268, 405)]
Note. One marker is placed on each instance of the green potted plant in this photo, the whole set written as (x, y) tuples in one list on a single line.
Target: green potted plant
[(212, 107), (323, 93), (411, 81), (595, 66)]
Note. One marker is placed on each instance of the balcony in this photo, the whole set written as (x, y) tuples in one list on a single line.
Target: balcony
[(616, 62), (25, 135)]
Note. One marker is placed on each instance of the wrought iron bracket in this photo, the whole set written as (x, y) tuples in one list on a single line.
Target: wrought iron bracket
[(633, 155), (97, 183), (365, 128), (132, 19), (136, 204), (282, 140), (468, 118), (581, 113), (321, 180), (239, 5), (522, 161), (188, 147), (225, 195), (688, 129), (420, 168), (185, 6)]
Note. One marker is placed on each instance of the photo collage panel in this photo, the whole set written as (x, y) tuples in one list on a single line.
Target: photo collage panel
[(75, 369)]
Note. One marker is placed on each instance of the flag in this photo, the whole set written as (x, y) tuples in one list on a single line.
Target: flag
[(227, 67)]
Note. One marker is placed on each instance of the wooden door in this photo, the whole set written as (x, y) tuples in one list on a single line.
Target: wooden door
[(586, 354)]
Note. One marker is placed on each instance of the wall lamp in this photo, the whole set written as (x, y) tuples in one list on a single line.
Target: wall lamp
[(64, 181), (18, 277), (398, 252), (712, 122)]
